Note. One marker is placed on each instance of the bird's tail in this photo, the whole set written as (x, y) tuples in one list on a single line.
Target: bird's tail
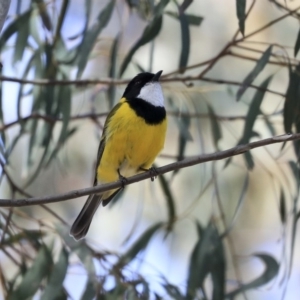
[(82, 223)]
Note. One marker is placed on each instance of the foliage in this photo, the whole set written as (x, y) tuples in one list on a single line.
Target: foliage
[(54, 71)]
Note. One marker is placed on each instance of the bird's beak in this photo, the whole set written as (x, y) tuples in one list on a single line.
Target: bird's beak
[(156, 76)]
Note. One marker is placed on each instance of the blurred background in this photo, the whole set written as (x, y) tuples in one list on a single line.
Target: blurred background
[(246, 206)]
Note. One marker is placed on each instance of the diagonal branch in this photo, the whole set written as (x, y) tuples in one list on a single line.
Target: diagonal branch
[(191, 161)]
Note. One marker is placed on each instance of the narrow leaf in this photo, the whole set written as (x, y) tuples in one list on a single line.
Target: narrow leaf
[(291, 104), (22, 37), (216, 130), (14, 27), (33, 277), (297, 44), (111, 92), (271, 270), (207, 258), (241, 14), (150, 32), (91, 36), (282, 207), (261, 63), (54, 287), (193, 20), (169, 200), (254, 111), (140, 244), (185, 42)]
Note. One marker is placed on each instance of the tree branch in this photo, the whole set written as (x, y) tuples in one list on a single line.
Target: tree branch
[(191, 161)]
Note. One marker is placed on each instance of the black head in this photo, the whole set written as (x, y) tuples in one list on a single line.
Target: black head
[(138, 82)]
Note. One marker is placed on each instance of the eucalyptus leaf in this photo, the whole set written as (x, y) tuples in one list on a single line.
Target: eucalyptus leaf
[(297, 44), (185, 43), (260, 65), (54, 287), (271, 270), (139, 245), (216, 130), (150, 32), (169, 197), (291, 104), (90, 37), (33, 277), (241, 14)]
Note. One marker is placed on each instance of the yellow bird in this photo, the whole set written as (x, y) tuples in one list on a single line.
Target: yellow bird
[(134, 134)]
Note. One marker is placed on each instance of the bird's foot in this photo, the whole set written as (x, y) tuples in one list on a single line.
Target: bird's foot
[(153, 172), (122, 179)]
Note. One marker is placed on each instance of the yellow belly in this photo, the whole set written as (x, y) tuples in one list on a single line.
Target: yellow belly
[(130, 144)]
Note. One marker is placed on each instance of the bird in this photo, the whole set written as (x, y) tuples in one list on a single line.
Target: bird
[(133, 135)]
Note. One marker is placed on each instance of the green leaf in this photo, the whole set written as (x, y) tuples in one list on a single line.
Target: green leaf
[(297, 44), (241, 14), (216, 130), (139, 245), (207, 258), (159, 8), (89, 291), (261, 63), (192, 20), (42, 8), (111, 92), (291, 104), (150, 32), (14, 27), (54, 286), (185, 42), (90, 37), (29, 235), (33, 277), (253, 112), (282, 207), (238, 206), (22, 37), (169, 199), (173, 291), (271, 270)]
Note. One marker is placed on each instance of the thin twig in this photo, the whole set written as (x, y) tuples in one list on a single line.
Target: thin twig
[(240, 149)]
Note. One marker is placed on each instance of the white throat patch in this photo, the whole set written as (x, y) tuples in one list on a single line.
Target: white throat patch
[(152, 93)]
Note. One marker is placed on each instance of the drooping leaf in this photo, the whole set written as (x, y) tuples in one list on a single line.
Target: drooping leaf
[(192, 20), (14, 27), (297, 44), (42, 8), (282, 207), (291, 104), (271, 270), (22, 37), (173, 291), (238, 206), (261, 63), (241, 14), (159, 7), (90, 37), (150, 32), (169, 200), (216, 130), (207, 258), (139, 245), (89, 291), (185, 42), (35, 274), (252, 114), (111, 92), (54, 286)]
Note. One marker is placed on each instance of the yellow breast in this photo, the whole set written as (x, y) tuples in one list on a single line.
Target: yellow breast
[(130, 144)]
